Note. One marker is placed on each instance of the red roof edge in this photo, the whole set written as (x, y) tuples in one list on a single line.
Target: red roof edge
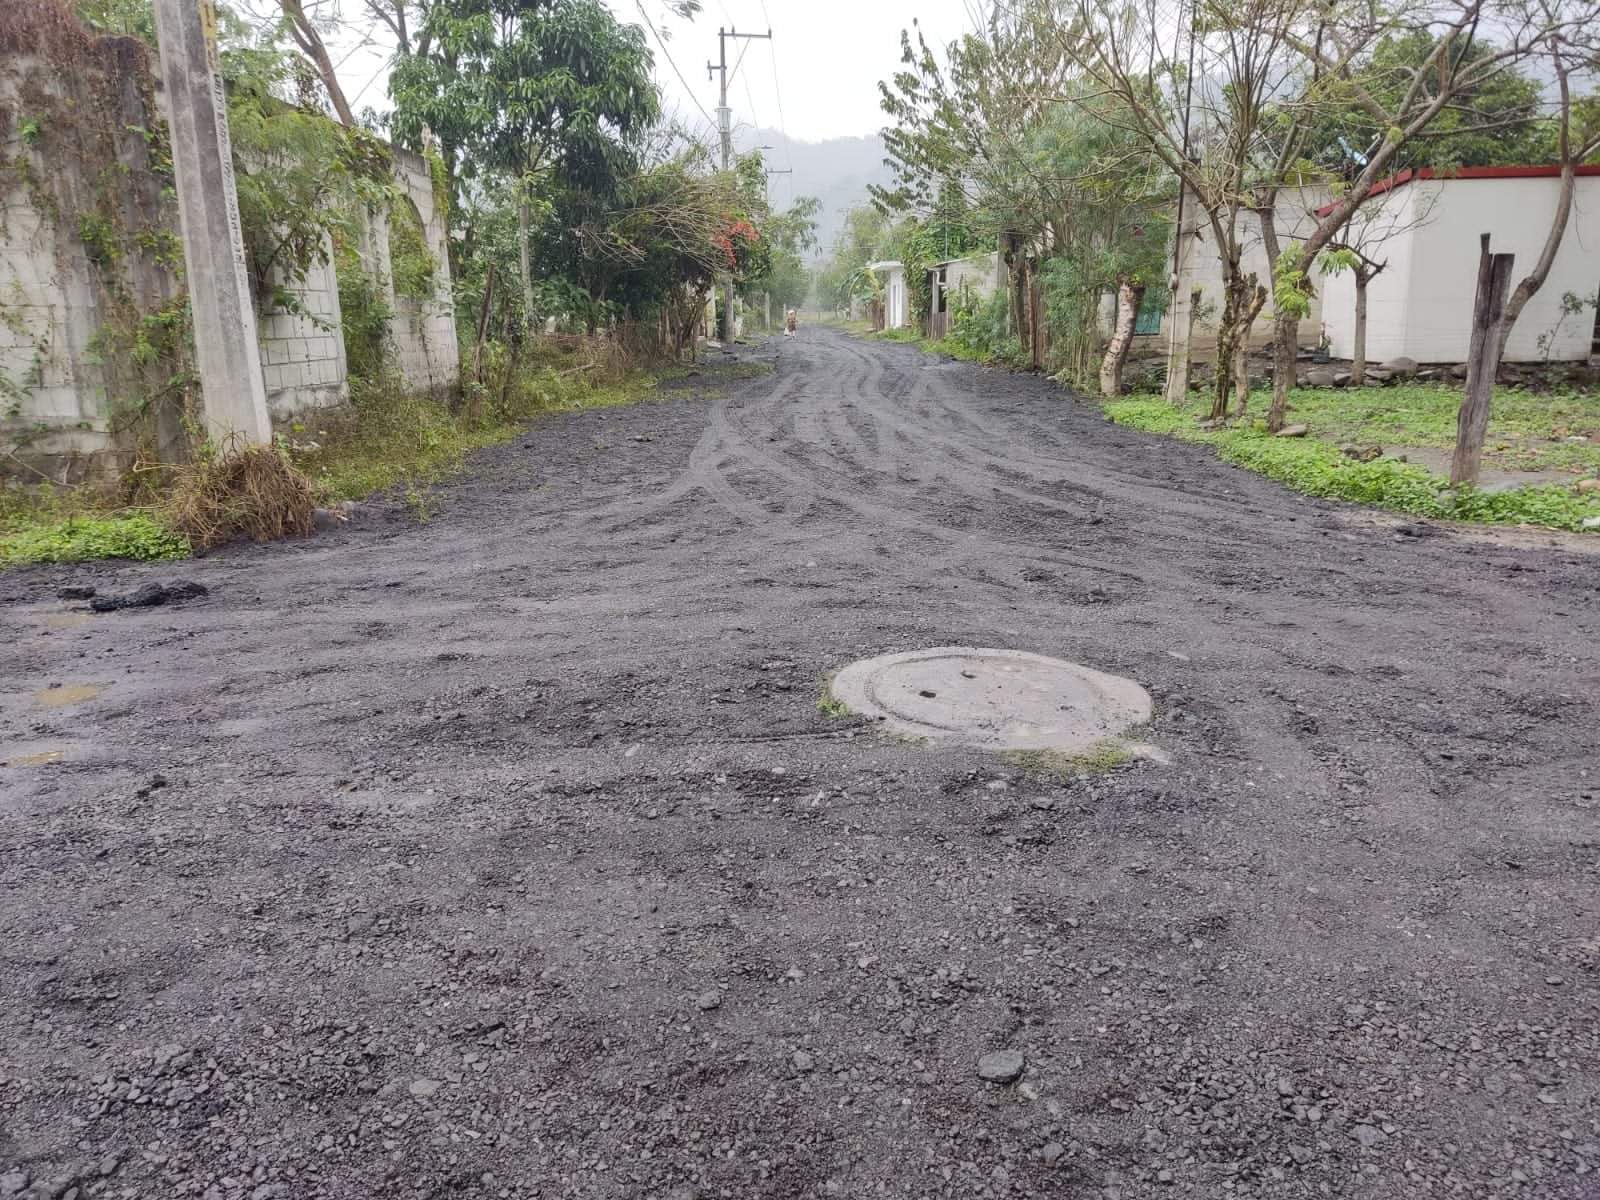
[(1401, 178)]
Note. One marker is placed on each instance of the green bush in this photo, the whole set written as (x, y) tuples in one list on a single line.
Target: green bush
[(978, 331), (80, 538), (1319, 469)]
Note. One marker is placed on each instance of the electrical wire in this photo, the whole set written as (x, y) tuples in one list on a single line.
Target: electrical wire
[(662, 42)]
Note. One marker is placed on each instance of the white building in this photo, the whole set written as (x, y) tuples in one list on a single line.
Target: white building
[(1420, 305), (892, 275), (954, 281), (1198, 263)]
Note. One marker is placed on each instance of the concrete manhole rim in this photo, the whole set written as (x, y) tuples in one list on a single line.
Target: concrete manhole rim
[(1056, 706)]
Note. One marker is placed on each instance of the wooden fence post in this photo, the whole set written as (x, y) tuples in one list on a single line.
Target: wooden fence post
[(1483, 363)]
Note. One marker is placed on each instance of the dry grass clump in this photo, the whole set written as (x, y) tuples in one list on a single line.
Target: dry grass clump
[(254, 492)]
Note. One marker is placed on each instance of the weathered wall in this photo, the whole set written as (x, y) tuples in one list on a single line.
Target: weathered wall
[(1199, 264), (302, 353), (91, 265), (1420, 306), (424, 330)]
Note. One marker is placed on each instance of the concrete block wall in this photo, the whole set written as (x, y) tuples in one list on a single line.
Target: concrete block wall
[(302, 353), (424, 331), (54, 404)]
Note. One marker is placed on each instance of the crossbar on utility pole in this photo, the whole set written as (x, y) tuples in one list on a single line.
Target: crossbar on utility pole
[(218, 278), (725, 134)]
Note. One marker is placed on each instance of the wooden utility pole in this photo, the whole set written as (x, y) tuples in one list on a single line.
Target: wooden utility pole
[(218, 278), (1483, 363)]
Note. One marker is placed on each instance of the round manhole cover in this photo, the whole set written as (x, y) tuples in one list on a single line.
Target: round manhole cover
[(996, 699)]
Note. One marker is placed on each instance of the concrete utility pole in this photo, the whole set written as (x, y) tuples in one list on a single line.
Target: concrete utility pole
[(208, 210), (725, 132)]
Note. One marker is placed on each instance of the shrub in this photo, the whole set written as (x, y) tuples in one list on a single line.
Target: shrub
[(1319, 469), (255, 493), (81, 538)]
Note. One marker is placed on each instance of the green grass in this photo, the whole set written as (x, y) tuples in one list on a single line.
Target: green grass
[(388, 438), (1317, 468), (1526, 429), (897, 335), (1104, 755), (391, 437), (43, 537)]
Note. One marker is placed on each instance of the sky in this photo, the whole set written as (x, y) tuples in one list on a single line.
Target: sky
[(817, 78)]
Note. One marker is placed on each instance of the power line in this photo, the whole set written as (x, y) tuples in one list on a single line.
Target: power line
[(662, 42), (777, 92)]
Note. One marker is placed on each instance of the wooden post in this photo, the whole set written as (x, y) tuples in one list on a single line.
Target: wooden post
[(483, 325), (1036, 320), (1483, 362)]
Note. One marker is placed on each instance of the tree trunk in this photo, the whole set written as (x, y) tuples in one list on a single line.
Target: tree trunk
[(1285, 355), (1129, 297), (525, 257), (1226, 333), (1529, 285), (1241, 371), (1358, 365), (1178, 376), (310, 42)]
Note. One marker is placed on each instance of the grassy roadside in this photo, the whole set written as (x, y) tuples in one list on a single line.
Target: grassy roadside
[(1320, 468), (386, 439), (1528, 431)]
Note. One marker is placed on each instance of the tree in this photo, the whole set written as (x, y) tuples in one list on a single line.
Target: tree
[(1577, 124), (530, 88), (309, 39), (1267, 74)]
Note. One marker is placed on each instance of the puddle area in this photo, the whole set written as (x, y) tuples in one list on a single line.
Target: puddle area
[(41, 759), (67, 694)]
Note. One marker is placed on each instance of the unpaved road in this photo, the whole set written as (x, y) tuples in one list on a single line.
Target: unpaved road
[(510, 855)]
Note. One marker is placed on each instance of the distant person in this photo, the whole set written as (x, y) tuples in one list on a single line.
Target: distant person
[(791, 323)]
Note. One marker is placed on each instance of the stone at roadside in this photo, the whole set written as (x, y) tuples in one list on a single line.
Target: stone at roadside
[(1001, 1066), (1404, 367), (1341, 379), (1591, 522), (708, 1000), (1368, 1135), (1052, 1153), (1587, 485), (423, 1088), (1361, 453), (1293, 431), (150, 595), (1318, 377), (12, 1182), (1459, 371), (1377, 376), (77, 592), (803, 1061)]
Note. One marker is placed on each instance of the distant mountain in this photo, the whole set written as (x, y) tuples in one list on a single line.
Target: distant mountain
[(837, 172)]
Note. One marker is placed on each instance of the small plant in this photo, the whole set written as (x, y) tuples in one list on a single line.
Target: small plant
[(831, 706), (421, 503), (29, 129), (81, 538)]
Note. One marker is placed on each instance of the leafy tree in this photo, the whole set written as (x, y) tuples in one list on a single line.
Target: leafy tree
[(535, 89)]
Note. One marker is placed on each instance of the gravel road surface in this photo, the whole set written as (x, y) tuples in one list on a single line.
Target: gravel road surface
[(510, 854)]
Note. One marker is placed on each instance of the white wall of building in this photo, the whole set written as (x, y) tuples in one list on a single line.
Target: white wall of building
[(1420, 306), (892, 276), (1199, 264)]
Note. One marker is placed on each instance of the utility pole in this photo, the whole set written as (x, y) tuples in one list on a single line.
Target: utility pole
[(766, 297), (725, 132), (225, 346)]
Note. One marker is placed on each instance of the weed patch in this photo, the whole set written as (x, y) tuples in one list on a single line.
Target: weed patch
[(1317, 468), (80, 538), (253, 493)]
